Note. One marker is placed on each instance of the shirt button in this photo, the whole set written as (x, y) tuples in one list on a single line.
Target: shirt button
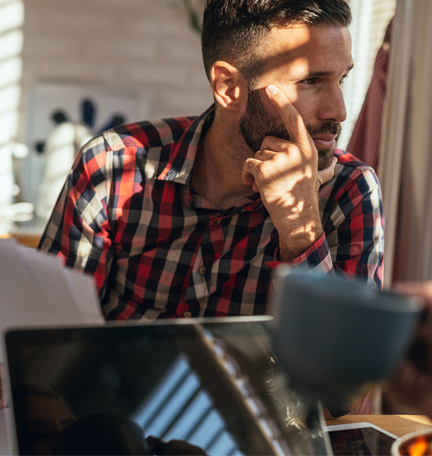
[(47, 242), (187, 314), (203, 270)]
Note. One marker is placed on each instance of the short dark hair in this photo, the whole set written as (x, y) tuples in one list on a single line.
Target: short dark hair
[(232, 28)]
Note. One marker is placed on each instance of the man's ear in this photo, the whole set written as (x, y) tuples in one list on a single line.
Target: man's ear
[(229, 85)]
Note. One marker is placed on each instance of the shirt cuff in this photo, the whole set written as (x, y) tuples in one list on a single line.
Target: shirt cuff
[(317, 255)]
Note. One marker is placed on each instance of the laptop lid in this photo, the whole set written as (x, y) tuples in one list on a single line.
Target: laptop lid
[(189, 387)]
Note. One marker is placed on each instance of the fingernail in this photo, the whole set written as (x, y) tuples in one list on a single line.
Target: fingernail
[(272, 90)]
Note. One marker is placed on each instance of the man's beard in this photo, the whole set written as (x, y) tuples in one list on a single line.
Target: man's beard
[(257, 123)]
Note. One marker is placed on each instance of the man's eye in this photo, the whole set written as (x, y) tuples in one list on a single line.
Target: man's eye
[(343, 79), (310, 81)]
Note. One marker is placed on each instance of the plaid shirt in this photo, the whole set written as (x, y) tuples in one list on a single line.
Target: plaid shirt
[(128, 215)]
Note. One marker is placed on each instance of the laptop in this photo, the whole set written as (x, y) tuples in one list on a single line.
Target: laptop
[(204, 386)]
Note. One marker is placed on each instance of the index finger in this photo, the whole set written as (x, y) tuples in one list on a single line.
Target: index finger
[(291, 117)]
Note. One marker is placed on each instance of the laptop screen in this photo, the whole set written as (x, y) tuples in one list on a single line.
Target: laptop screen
[(209, 387)]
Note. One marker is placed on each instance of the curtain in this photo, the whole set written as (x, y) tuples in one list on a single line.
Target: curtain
[(405, 168), (370, 19), (365, 139)]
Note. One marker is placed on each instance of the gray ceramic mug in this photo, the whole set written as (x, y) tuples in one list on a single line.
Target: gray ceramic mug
[(334, 335)]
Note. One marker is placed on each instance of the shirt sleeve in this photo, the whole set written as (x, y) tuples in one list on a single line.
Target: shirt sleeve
[(353, 239), (78, 230)]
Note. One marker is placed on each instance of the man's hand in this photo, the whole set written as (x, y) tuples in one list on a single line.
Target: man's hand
[(410, 389), (286, 175)]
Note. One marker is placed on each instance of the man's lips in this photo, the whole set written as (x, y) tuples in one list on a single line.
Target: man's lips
[(324, 141)]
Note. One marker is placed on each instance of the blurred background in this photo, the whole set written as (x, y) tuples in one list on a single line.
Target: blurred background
[(88, 63)]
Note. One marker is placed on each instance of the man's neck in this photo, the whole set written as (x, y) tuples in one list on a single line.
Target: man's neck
[(218, 167)]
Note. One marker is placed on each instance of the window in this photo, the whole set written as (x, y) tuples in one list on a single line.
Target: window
[(370, 20)]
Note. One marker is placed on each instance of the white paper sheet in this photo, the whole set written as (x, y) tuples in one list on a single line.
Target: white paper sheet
[(21, 299), (36, 290), (83, 292), (48, 275), (4, 423)]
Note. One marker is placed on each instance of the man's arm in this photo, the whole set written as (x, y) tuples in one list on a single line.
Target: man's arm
[(79, 230)]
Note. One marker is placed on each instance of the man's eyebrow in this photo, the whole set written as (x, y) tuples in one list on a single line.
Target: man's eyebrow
[(315, 74), (350, 68)]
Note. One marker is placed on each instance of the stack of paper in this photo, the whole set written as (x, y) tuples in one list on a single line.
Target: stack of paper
[(36, 290)]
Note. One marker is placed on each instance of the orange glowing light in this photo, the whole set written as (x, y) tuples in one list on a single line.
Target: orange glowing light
[(418, 448)]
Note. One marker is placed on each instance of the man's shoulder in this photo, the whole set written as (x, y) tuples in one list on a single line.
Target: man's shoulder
[(350, 166), (149, 133), (349, 160), (139, 135), (352, 175), (354, 184)]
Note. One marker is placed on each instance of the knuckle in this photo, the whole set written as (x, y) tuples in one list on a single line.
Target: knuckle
[(262, 170), (267, 142), (261, 166), (294, 118)]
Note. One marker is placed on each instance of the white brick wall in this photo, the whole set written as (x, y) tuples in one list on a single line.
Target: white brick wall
[(145, 46)]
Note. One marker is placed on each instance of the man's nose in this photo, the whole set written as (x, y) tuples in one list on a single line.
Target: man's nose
[(333, 107)]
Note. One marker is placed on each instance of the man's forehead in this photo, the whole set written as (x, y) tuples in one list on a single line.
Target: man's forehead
[(321, 47), (301, 37)]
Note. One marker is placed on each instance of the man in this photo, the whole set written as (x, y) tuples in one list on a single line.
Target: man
[(188, 217)]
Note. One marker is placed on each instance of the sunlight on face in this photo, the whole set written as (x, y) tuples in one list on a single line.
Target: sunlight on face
[(309, 63)]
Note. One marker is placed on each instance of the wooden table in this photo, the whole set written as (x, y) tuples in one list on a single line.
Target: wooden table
[(396, 424), (28, 240)]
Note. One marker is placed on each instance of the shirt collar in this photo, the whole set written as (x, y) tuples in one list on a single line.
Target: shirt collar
[(182, 157)]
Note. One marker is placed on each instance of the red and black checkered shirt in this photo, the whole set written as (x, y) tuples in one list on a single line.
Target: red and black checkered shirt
[(128, 215)]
